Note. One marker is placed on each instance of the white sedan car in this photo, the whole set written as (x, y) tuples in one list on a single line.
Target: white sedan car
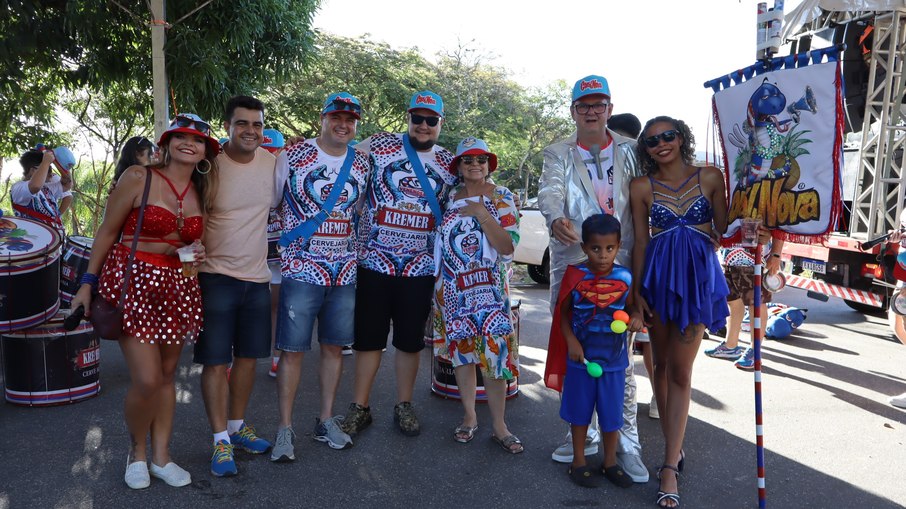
[(533, 241)]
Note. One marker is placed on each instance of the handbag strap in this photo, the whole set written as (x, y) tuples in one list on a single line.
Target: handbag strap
[(419, 169), (138, 228), (308, 228)]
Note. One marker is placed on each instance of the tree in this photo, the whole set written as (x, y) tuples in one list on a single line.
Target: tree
[(56, 46)]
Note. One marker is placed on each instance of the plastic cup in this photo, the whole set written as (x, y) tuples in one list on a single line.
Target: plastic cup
[(749, 229), (188, 255)]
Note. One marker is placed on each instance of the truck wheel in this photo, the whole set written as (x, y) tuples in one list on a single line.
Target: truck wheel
[(541, 273), (865, 284)]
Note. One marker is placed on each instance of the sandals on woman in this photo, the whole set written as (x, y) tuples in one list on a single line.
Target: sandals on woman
[(508, 442), (664, 496), (464, 434)]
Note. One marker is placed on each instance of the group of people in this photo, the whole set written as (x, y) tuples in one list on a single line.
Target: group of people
[(385, 230)]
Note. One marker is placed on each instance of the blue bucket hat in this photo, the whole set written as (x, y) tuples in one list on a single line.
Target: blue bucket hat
[(343, 101), (273, 140), (190, 123), (473, 146), (590, 85), (427, 100)]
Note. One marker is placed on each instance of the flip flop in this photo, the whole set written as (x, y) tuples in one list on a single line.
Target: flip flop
[(508, 442), (464, 434)]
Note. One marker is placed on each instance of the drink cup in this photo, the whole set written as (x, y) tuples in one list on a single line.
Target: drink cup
[(749, 231), (188, 255)]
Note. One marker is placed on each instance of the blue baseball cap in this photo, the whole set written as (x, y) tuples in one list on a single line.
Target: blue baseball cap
[(273, 140), (343, 101), (590, 85), (427, 100), (473, 146)]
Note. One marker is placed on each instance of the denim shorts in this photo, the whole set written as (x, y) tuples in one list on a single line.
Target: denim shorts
[(303, 303), (237, 320)]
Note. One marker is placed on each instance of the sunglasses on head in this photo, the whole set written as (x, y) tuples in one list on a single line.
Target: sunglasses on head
[(199, 125), (341, 105), (418, 119), (472, 159), (667, 136)]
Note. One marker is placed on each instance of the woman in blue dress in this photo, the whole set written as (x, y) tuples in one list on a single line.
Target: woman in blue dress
[(680, 290)]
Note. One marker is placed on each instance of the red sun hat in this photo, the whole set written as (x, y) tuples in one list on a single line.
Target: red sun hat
[(473, 146), (190, 123)]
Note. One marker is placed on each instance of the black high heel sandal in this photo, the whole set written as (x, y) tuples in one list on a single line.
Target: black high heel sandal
[(682, 461), (664, 495)]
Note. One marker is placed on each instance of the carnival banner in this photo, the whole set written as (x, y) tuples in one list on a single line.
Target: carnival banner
[(781, 132)]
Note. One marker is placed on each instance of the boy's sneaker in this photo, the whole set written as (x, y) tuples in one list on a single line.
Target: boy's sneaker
[(273, 372), (330, 432), (746, 361), (347, 350), (357, 419), (222, 464), (284, 451), (248, 441), (722, 351), (404, 416)]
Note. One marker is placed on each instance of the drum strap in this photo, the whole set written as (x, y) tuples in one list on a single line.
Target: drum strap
[(34, 214), (138, 228)]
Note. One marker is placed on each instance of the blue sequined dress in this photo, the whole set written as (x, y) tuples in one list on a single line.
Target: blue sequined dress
[(683, 281)]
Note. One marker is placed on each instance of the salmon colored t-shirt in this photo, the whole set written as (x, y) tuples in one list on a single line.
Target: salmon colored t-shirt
[(235, 232)]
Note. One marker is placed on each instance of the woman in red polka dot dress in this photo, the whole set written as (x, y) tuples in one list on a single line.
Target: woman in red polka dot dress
[(162, 307)]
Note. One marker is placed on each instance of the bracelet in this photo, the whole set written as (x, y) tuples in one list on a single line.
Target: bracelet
[(485, 220), (775, 255), (89, 279)]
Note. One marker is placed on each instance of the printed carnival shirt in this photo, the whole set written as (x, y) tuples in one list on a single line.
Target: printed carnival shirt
[(397, 228), (328, 257)]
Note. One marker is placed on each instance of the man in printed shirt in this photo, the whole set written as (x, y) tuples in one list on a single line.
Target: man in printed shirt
[(319, 272), (396, 256)]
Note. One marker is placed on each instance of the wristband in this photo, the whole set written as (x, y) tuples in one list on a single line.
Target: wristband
[(89, 279), (775, 255)]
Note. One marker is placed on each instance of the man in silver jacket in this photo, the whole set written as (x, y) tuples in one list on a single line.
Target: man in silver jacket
[(569, 192)]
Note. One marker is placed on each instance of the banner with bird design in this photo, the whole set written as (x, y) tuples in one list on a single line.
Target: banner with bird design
[(780, 126)]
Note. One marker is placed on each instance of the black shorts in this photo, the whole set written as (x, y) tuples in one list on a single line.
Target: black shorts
[(380, 299)]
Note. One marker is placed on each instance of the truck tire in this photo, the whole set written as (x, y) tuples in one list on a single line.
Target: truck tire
[(865, 284), (541, 273)]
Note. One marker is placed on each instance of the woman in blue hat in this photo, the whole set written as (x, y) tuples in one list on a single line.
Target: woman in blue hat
[(161, 308), (472, 326)]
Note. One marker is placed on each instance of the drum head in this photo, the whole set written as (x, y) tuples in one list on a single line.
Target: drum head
[(774, 282), (79, 240), (898, 304), (22, 238)]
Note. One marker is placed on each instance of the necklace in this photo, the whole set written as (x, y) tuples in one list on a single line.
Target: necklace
[(180, 217)]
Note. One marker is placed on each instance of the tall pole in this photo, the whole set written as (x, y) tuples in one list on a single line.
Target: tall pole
[(757, 336), (158, 66)]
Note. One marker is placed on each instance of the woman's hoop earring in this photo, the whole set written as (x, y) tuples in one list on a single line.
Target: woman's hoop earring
[(208, 170), (167, 158)]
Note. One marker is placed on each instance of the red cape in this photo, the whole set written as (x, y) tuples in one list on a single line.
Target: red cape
[(555, 367)]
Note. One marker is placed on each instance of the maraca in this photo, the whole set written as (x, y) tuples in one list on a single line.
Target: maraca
[(618, 326), (593, 368), (621, 315)]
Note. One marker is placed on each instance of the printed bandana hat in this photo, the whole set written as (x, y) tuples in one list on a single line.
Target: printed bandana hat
[(427, 100), (191, 123), (590, 85), (343, 101), (473, 146), (273, 140)]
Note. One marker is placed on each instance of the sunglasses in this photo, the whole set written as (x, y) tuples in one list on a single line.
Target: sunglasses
[(341, 105), (418, 119), (199, 125), (667, 136), (582, 108), (472, 159)]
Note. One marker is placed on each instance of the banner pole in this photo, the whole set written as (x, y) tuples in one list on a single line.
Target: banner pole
[(757, 335)]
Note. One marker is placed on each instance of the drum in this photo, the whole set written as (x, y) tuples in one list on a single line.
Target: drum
[(29, 273), (273, 255), (48, 365), (443, 380), (73, 264)]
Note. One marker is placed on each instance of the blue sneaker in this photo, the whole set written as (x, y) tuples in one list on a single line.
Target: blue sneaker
[(746, 361), (222, 464), (722, 351), (248, 441)]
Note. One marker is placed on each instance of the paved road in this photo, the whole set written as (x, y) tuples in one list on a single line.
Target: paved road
[(832, 440)]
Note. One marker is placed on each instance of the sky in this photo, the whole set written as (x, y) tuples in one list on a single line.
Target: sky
[(655, 54)]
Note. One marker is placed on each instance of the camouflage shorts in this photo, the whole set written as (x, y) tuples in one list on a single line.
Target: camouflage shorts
[(740, 280)]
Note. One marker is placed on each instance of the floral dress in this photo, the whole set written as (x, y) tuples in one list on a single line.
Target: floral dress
[(471, 321)]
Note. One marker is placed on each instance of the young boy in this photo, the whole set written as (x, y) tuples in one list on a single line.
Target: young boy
[(589, 296), (40, 194)]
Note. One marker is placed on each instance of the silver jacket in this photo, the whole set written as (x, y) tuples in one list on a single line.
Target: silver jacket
[(565, 190)]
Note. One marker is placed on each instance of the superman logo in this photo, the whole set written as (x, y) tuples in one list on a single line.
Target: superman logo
[(601, 292)]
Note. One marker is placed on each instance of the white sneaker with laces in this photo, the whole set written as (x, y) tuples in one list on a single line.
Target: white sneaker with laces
[(898, 401), (172, 474)]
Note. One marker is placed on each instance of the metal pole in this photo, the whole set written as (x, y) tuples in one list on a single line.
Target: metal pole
[(158, 66), (757, 335)]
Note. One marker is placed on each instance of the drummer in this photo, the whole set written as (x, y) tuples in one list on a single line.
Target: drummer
[(41, 195)]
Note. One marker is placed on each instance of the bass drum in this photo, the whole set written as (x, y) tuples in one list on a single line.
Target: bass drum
[(29, 273), (73, 264)]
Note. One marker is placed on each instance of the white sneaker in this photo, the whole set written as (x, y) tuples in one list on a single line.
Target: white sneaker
[(172, 474), (564, 453), (898, 401), (633, 466), (652, 409), (347, 350), (137, 476)]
